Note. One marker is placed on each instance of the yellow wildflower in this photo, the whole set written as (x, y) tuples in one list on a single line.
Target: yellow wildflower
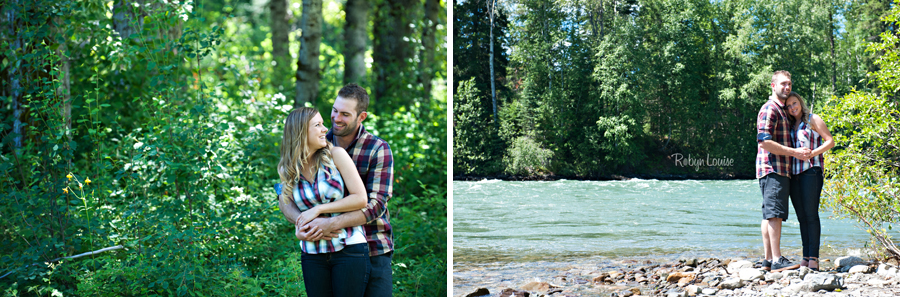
[(69, 176), (66, 190), (87, 181)]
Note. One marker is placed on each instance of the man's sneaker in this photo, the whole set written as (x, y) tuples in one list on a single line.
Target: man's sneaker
[(766, 265), (783, 264)]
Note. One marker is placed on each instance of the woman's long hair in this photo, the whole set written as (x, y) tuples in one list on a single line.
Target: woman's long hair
[(804, 110), (295, 149)]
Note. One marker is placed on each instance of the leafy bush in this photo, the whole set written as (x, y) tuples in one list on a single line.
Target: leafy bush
[(526, 157), (862, 174)]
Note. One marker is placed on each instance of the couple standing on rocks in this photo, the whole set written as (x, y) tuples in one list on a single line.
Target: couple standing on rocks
[(789, 162)]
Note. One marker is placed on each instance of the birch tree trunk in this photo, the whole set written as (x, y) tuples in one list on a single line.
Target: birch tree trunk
[(357, 12), (63, 92), (429, 39), (492, 5), (307, 88)]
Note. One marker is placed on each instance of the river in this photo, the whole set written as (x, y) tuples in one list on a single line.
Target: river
[(507, 222)]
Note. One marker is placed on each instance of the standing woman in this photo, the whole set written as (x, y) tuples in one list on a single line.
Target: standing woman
[(314, 174), (808, 175)]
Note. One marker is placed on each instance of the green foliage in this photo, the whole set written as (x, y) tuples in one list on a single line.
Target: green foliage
[(527, 157), (862, 173), (674, 76), (615, 136), (474, 135), (418, 271)]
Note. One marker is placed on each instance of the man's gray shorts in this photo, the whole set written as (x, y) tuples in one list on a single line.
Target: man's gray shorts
[(775, 190)]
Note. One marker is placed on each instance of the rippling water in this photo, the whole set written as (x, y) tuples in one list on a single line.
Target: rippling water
[(525, 221)]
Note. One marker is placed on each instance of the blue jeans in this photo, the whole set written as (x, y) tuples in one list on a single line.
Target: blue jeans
[(342, 273), (380, 279), (806, 188)]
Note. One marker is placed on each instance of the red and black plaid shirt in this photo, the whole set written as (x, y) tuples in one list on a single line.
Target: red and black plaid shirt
[(375, 164), (773, 123)]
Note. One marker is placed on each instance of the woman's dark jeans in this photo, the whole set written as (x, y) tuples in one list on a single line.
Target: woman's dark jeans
[(342, 273), (806, 188)]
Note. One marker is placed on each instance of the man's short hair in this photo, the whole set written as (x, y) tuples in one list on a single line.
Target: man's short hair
[(781, 72), (355, 92)]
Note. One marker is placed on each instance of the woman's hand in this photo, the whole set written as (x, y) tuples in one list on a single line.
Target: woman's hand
[(308, 215)]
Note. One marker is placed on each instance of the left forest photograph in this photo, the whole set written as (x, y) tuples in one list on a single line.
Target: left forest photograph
[(223, 148)]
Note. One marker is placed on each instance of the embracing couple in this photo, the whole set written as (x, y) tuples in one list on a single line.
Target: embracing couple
[(789, 162), (336, 187)]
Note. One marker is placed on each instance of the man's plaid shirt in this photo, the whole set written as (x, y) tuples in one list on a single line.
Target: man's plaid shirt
[(375, 164), (773, 123)]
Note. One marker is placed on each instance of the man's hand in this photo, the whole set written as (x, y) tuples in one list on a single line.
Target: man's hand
[(313, 230), (307, 232), (802, 153), (326, 226)]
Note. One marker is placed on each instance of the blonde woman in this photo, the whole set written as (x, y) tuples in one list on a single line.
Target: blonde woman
[(314, 174), (807, 174)]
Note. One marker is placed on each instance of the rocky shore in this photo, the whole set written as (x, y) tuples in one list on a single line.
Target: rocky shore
[(844, 276), (656, 176)]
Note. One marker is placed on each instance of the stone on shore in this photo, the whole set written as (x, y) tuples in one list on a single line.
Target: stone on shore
[(860, 269), (479, 293), (514, 293), (887, 270), (692, 290), (676, 293), (691, 262), (681, 277), (731, 284), (814, 282), (751, 274), (630, 292), (740, 264), (803, 271), (773, 276), (539, 287), (849, 261)]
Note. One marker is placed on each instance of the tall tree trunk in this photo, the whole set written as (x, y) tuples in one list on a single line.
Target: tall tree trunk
[(357, 12), (392, 52), (426, 58), (492, 6), (124, 20), (14, 71), (307, 88), (63, 92), (280, 44), (831, 40)]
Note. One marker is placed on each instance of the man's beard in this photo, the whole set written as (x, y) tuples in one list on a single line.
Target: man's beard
[(782, 96), (348, 129)]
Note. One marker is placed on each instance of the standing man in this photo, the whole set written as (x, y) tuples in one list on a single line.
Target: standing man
[(375, 164), (773, 169)]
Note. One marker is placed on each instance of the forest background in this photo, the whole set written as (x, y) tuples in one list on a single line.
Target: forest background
[(606, 89), (155, 126), (598, 88)]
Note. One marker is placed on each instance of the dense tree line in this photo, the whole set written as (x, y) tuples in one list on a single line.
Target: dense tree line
[(596, 88), (155, 126)]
